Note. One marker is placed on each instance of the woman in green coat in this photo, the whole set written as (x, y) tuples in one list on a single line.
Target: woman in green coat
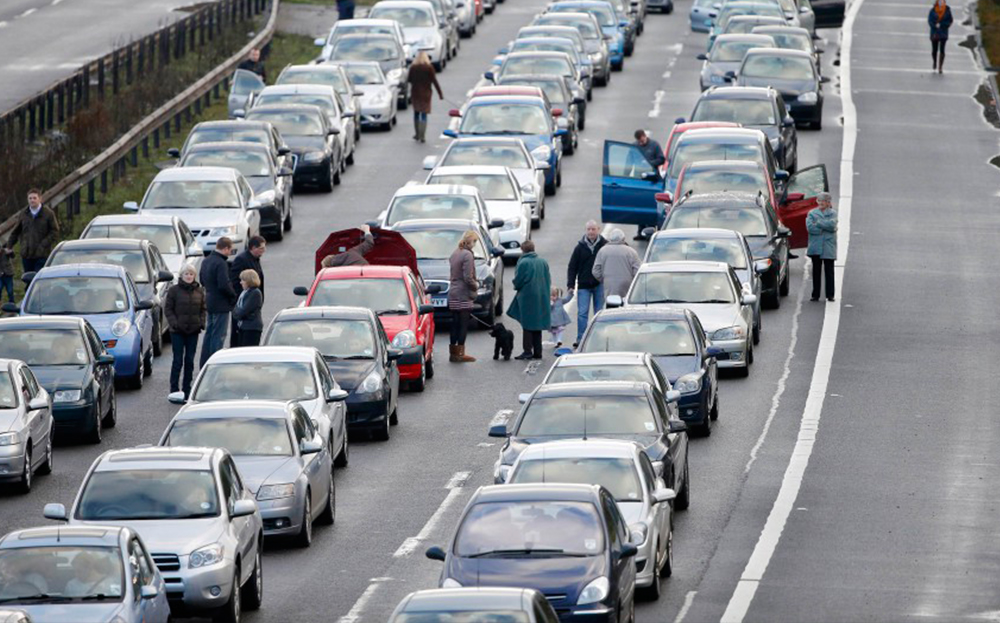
[(531, 305)]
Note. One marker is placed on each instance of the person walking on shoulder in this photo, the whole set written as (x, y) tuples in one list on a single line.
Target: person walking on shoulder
[(220, 297), (939, 19), (247, 310), (37, 229), (422, 79), (461, 296), (821, 223), (532, 306), (616, 264), (187, 315), (580, 275)]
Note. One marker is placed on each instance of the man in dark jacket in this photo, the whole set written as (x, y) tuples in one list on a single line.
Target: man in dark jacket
[(580, 276), (220, 297), (254, 64), (355, 256), (250, 258), (652, 153), (37, 230)]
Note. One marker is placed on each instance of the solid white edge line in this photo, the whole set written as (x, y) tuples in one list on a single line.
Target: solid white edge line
[(746, 588)]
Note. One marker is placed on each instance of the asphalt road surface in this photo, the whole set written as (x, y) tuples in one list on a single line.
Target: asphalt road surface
[(894, 516)]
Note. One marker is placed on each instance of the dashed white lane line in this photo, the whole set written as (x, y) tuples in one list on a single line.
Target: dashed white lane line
[(56, 2), (26, 13), (686, 606), (354, 614), (657, 101), (3, 24), (454, 488)]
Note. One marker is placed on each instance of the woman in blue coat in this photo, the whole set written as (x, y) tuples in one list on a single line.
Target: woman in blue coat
[(939, 19), (531, 305), (821, 223)]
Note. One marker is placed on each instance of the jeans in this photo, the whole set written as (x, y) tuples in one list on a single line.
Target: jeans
[(345, 9), (184, 347), (459, 326), (531, 341), (249, 338), (822, 269), (7, 283), (215, 336), (937, 51), (584, 297), (33, 264), (419, 116)]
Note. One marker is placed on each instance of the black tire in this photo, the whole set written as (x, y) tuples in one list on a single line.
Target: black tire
[(705, 430), (772, 300), (683, 499), (95, 434), (327, 184), (419, 384), (652, 592), (253, 596), (157, 339), (668, 561), (329, 514), (288, 220), (757, 328), (344, 456), (233, 610), (305, 536), (27, 475), (336, 175), (714, 413), (430, 368), (785, 285), (49, 464), (350, 157), (394, 417), (110, 418), (382, 433), (147, 363)]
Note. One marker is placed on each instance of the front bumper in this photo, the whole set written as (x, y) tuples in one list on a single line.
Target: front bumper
[(128, 357), (585, 614), (282, 517), (270, 217), (805, 113), (367, 410), (512, 239), (733, 355), (191, 589), (693, 408), (311, 173), (409, 363), (74, 416), (376, 115), (11, 462)]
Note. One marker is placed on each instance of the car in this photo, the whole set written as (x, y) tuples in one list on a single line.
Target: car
[(829, 13), (243, 88), (195, 514), (330, 74), (465, 14), (722, 143), (357, 351), (240, 131), (298, 374), (272, 186), (106, 297), (593, 40), (378, 96), (799, 15), (381, 49), (726, 56), (362, 26), (607, 366), (173, 239), (568, 541), (446, 14), (325, 97), (212, 201), (738, 8), (281, 457), (615, 34), (679, 128), (26, 425), (503, 196), (546, 43), (699, 14), (422, 29), (744, 24), (793, 74), (560, 96), (437, 201), (755, 218), (678, 344), (607, 410), (791, 38), (314, 142), (626, 472), (564, 31), (759, 108), (518, 604), (540, 63), (630, 19), (100, 573)]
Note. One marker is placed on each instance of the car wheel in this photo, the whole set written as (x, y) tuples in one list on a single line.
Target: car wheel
[(683, 499), (232, 611), (668, 556), (329, 514), (772, 300), (419, 384), (705, 430), (393, 122), (305, 535), (253, 596), (499, 308), (550, 189), (95, 434), (430, 367), (785, 286), (559, 175), (111, 415), (350, 157), (157, 339), (394, 417), (288, 220), (336, 174), (590, 98), (756, 329), (49, 463), (382, 432), (24, 484), (344, 456), (327, 184), (147, 363), (744, 372), (652, 592), (714, 413)]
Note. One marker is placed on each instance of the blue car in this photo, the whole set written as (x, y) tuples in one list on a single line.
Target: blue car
[(527, 118), (699, 15), (568, 541), (107, 298), (616, 29)]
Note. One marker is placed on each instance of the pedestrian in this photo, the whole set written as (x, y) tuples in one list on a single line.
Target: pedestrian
[(461, 295), (821, 223), (220, 297), (939, 19), (187, 315), (557, 314), (345, 9), (37, 230), (422, 78), (653, 155), (531, 305), (616, 264), (580, 275), (6, 274), (254, 63), (248, 258), (355, 256), (247, 310)]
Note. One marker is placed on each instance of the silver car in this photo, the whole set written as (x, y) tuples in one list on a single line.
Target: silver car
[(293, 373), (26, 425), (624, 469), (281, 457), (379, 96), (329, 74), (423, 30), (171, 236), (611, 366), (362, 26), (199, 520)]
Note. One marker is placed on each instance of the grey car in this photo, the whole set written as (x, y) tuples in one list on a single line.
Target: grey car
[(173, 239), (99, 573), (282, 459), (198, 519), (793, 74), (382, 49), (610, 366), (727, 55), (330, 74), (593, 40), (26, 425), (378, 96), (243, 88), (244, 131)]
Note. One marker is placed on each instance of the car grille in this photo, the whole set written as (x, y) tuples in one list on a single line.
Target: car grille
[(167, 562)]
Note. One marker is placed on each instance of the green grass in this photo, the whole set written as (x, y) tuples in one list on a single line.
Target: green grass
[(989, 19)]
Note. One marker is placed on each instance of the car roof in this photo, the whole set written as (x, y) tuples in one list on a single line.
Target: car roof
[(767, 29), (352, 63), (81, 270), (368, 271), (640, 313), (743, 37), (324, 66), (403, 3), (471, 169), (137, 219), (580, 448), (157, 457), (488, 598), (741, 93), (248, 354), (590, 389), (47, 536), (507, 89), (41, 322), (723, 165), (339, 312), (541, 39), (778, 52), (103, 243), (427, 224), (365, 21), (619, 358), (414, 190), (732, 135), (229, 146), (701, 233), (538, 53), (234, 409), (506, 99), (323, 89), (233, 124), (736, 19), (684, 266), (727, 199), (197, 174), (537, 492), (541, 27)]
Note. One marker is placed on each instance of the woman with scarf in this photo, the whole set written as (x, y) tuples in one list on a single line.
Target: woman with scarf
[(939, 18)]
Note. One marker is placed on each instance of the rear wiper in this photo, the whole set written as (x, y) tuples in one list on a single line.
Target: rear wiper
[(518, 552)]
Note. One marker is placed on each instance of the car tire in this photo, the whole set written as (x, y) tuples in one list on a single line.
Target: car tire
[(24, 484), (430, 367), (350, 157), (49, 464), (652, 592), (550, 189), (157, 339), (785, 286), (95, 434), (336, 175), (714, 413), (419, 384), (772, 300), (110, 419), (382, 433), (536, 222), (344, 456), (744, 372), (253, 593), (147, 363), (329, 514), (327, 184), (233, 610), (683, 499), (757, 329), (559, 175), (668, 559), (394, 417), (305, 536), (705, 430), (288, 220)]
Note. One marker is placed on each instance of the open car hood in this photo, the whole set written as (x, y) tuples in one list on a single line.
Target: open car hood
[(391, 249)]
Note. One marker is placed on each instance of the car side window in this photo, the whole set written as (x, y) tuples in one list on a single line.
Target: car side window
[(246, 191), (96, 345), (612, 520), (32, 381), (131, 289), (237, 480), (418, 290), (325, 378), (302, 425), (26, 394), (543, 611), (648, 473), (227, 483), (660, 379), (661, 407), (139, 559), (158, 262), (187, 238)]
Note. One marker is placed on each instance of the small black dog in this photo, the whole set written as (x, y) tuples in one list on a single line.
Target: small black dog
[(504, 341)]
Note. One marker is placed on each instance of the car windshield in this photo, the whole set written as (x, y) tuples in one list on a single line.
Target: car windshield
[(45, 347), (290, 122), (378, 295), (747, 221), (439, 244), (8, 395), (365, 74), (677, 287), (77, 295), (791, 41), (550, 45), (728, 250), (657, 337), (311, 99), (707, 181), (492, 187), (743, 111), (136, 494), (505, 119), (364, 50), (552, 89), (521, 65), (585, 27), (286, 380), (730, 12), (599, 372), (61, 573), (694, 151), (603, 15), (333, 338), (333, 79), (409, 17), (347, 28), (223, 135), (780, 67), (432, 206), (249, 163), (583, 416), (464, 616), (191, 195), (732, 51), (242, 436), (163, 236), (541, 31), (133, 261), (744, 24), (500, 155), (616, 475), (501, 529)]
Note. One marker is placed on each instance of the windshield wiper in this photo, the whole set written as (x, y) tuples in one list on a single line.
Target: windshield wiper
[(347, 357), (392, 312), (36, 597), (100, 597), (711, 301), (520, 552), (655, 301)]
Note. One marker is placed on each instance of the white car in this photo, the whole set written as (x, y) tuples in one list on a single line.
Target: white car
[(364, 26), (212, 201), (325, 97), (503, 196), (172, 237), (436, 201), (330, 75), (26, 425), (422, 29), (379, 96)]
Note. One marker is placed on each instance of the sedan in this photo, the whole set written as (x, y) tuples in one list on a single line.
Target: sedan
[(26, 425), (422, 29), (314, 142), (560, 31), (615, 30), (329, 74), (316, 95), (566, 108), (525, 605), (793, 74), (282, 459), (241, 132), (791, 38), (435, 201), (727, 55), (361, 26), (610, 366), (173, 239), (699, 14), (378, 96)]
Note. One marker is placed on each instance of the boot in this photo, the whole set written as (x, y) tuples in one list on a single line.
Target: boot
[(462, 357), (453, 356), (422, 131)]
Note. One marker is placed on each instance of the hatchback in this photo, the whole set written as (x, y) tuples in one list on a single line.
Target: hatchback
[(377, 95), (793, 74), (173, 239), (26, 425)]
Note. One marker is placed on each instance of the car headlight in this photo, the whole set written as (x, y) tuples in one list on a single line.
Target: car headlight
[(121, 327), (371, 384), (313, 156), (404, 339), (595, 57), (541, 153), (729, 333), (451, 583), (380, 98), (511, 224), (266, 198), (638, 533), (8, 439), (223, 231), (395, 75), (809, 98), (689, 383), (208, 555), (594, 592), (274, 492), (66, 395)]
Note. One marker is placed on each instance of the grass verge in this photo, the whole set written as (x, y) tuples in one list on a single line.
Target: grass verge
[(989, 20)]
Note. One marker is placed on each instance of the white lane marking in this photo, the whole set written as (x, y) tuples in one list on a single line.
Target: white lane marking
[(26, 13), (532, 367), (3, 24), (657, 100), (912, 93), (56, 2), (502, 417), (485, 444), (454, 488), (688, 600), (666, 74), (675, 49), (767, 543), (354, 614)]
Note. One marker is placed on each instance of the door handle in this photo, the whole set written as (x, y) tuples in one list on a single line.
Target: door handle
[(615, 185)]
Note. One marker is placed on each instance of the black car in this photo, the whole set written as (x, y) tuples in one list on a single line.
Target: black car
[(793, 74), (753, 107), (313, 142), (612, 409), (755, 218), (357, 351), (238, 131), (524, 605), (70, 362), (272, 185), (142, 260)]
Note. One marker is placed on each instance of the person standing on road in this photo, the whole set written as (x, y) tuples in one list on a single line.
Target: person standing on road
[(255, 64), (616, 264), (345, 9), (37, 230), (355, 256), (423, 79), (558, 315), (187, 315), (247, 259), (461, 295), (532, 305), (939, 19), (821, 223), (219, 296), (580, 275), (247, 310)]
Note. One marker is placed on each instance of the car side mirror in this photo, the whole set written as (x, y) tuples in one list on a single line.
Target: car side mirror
[(749, 299), (496, 223), (784, 232), (394, 354), (55, 512), (144, 305), (672, 395), (523, 398), (664, 197), (285, 172), (450, 133), (131, 206), (164, 276), (173, 152), (176, 398), (795, 197), (613, 301), (334, 131), (819, 50), (498, 252), (677, 426), (148, 591), (37, 403), (499, 430), (336, 395), (319, 42), (781, 175), (105, 359), (284, 151), (651, 176), (434, 288), (27, 277), (239, 113), (11, 308), (435, 553), (702, 57), (761, 266), (242, 508), (542, 166), (429, 163), (629, 550), (489, 76), (425, 309), (310, 446), (787, 122), (503, 51), (663, 495), (300, 291), (730, 76)]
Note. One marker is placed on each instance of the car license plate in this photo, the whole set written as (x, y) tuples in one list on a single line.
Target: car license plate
[(440, 302)]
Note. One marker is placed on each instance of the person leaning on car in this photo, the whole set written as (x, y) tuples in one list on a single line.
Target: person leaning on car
[(37, 230)]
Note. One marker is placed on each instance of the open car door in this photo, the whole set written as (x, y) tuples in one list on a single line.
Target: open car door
[(628, 186), (390, 249), (799, 198)]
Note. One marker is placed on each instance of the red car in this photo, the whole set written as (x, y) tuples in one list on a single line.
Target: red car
[(683, 126)]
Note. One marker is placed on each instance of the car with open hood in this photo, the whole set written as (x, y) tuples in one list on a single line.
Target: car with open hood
[(172, 237), (26, 425), (378, 96), (319, 156)]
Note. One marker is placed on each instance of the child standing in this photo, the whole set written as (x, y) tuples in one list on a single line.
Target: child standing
[(6, 274), (559, 316)]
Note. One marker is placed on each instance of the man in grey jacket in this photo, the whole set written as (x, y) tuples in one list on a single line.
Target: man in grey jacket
[(616, 264)]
